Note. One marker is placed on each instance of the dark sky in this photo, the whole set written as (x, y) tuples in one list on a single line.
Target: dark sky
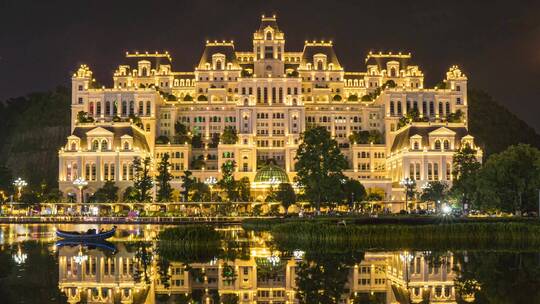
[(497, 43)]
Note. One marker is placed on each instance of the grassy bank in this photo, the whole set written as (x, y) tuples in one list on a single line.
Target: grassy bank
[(267, 224), (408, 233)]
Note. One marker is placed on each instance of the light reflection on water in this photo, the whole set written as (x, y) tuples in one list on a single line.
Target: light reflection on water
[(250, 268)]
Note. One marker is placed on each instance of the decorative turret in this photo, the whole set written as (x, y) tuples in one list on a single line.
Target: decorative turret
[(269, 48)]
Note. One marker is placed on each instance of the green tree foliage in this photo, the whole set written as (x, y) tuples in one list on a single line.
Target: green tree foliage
[(200, 192), (187, 183), (33, 128), (229, 136), (286, 196), (337, 97), (107, 193), (82, 117), (196, 141), (229, 298), (227, 182), (214, 141), (465, 169), (244, 189), (142, 181), (163, 179), (509, 181), (434, 191), (130, 194), (162, 140), (481, 275), (494, 127), (366, 137), (182, 133), (320, 165), (353, 191)]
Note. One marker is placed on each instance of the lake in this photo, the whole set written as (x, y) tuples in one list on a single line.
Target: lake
[(251, 267)]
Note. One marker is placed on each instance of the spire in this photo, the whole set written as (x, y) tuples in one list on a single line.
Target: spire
[(268, 21)]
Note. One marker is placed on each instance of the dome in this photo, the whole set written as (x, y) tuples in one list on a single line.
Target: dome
[(271, 174)]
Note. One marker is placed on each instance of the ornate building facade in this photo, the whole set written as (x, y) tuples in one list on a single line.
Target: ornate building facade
[(269, 95)]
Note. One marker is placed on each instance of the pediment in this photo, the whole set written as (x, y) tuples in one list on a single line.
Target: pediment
[(442, 131), (99, 131)]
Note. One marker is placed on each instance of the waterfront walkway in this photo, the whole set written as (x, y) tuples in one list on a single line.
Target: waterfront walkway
[(169, 220)]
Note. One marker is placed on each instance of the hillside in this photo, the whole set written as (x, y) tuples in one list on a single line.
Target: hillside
[(494, 127), (33, 129)]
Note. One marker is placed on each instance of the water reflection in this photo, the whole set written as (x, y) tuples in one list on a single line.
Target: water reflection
[(251, 268)]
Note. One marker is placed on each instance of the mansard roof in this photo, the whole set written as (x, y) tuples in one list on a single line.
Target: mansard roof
[(311, 49), (380, 60), (212, 48), (402, 139), (139, 140)]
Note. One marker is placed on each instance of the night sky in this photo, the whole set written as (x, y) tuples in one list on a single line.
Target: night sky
[(496, 43)]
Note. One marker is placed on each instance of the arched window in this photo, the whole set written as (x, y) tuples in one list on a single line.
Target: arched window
[(411, 171), (91, 108), (431, 108), (392, 110), (94, 172), (319, 65), (98, 108), (399, 110), (440, 108), (124, 108), (104, 145), (437, 144), (73, 146), (148, 108), (144, 71), (424, 108), (95, 145), (268, 36), (447, 108), (408, 106), (416, 146), (131, 107), (393, 72), (107, 108), (415, 105), (435, 171), (126, 145), (446, 145), (218, 65), (141, 107)]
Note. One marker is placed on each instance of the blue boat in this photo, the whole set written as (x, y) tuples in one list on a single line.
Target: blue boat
[(90, 235), (88, 244)]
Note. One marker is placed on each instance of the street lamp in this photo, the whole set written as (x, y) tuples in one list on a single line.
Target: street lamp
[(80, 183), (210, 181), (406, 257), (408, 184), (19, 183)]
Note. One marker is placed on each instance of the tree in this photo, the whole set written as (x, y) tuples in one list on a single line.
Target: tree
[(142, 181), (366, 137), (196, 141), (465, 168), (244, 189), (130, 194), (320, 165), (162, 139), (227, 182), (82, 117), (353, 191), (286, 196), (434, 191), (107, 193), (214, 141), (200, 192), (510, 180), (163, 179), (187, 183), (229, 136), (182, 133)]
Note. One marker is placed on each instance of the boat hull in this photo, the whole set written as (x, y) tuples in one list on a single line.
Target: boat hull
[(85, 237)]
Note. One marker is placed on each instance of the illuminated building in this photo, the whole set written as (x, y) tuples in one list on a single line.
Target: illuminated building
[(269, 95)]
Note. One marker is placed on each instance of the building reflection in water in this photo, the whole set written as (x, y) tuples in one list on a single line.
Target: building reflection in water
[(260, 275)]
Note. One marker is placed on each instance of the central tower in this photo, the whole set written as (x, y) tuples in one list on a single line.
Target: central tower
[(268, 47)]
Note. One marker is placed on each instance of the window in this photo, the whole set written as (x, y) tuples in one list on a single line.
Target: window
[(107, 107), (319, 65), (148, 108), (104, 145), (268, 52), (392, 108), (437, 144), (218, 65), (268, 36), (98, 108), (399, 111), (95, 145), (446, 145)]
